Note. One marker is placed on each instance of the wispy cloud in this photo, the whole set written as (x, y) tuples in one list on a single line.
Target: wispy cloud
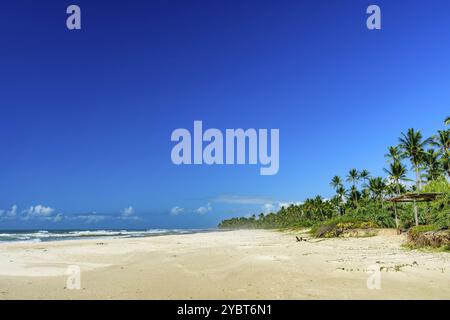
[(90, 218), (127, 212), (9, 213), (288, 204), (241, 199), (204, 209), (175, 211), (269, 207), (12, 212), (59, 217)]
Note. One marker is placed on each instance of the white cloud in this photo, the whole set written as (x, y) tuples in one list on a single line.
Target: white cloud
[(91, 218), (12, 212), (268, 207), (9, 214), (288, 204), (238, 199), (58, 217), (38, 211), (127, 212), (204, 209), (176, 210)]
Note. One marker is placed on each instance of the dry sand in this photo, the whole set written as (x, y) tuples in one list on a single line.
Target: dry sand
[(224, 265)]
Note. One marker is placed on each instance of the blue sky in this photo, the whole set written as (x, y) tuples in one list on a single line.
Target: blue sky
[(86, 116)]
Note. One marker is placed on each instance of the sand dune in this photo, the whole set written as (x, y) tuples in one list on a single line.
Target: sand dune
[(224, 265)]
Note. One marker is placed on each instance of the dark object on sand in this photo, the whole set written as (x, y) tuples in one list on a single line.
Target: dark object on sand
[(300, 239)]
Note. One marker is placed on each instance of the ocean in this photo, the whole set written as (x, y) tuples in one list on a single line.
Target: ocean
[(56, 235)]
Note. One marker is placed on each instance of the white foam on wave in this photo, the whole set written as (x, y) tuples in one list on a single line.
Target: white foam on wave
[(47, 235)]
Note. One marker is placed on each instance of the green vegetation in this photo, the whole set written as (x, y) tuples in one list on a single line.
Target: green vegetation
[(429, 236), (359, 202)]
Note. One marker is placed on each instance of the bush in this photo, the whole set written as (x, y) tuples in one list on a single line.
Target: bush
[(429, 236), (336, 227), (437, 212)]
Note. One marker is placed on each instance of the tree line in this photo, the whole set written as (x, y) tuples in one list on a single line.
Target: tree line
[(359, 196)]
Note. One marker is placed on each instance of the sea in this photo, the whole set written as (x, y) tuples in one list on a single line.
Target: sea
[(57, 235)]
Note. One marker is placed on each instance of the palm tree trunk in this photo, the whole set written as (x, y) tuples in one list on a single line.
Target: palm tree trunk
[(418, 184), (396, 218), (416, 215)]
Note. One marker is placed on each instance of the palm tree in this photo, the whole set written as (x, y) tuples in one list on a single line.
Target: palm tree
[(354, 195), (447, 121), (394, 154), (336, 182), (432, 165), (396, 173), (377, 187), (445, 162), (442, 141), (364, 175), (353, 177), (341, 192), (412, 145)]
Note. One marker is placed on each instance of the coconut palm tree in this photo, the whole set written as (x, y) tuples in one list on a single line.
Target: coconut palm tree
[(397, 173), (354, 195), (445, 162), (442, 141), (338, 185), (412, 145), (353, 177), (394, 154), (364, 175), (341, 192), (432, 163), (336, 182), (377, 187)]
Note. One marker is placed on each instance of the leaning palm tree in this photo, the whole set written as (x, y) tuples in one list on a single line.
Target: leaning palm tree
[(412, 145)]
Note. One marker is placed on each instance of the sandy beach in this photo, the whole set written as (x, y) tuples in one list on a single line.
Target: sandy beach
[(224, 265)]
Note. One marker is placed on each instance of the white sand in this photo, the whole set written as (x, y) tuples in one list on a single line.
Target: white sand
[(223, 265)]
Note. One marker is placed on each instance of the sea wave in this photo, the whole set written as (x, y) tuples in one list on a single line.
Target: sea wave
[(54, 235)]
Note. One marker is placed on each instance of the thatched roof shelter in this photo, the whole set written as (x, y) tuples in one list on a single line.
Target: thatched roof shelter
[(415, 197)]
